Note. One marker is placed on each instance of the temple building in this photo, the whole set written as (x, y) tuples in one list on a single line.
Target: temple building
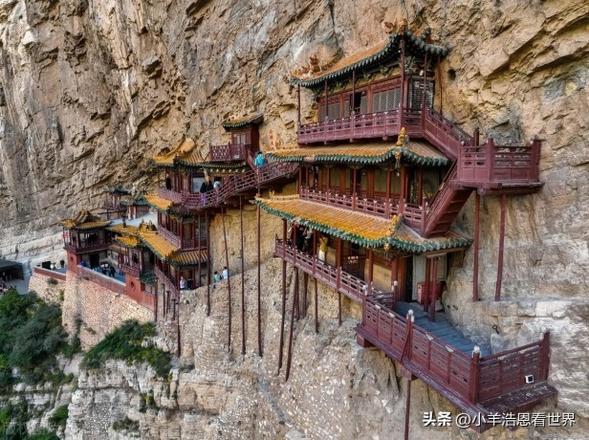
[(382, 179)]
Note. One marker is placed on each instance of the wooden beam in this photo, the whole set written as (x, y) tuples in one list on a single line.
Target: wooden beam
[(259, 295), (338, 259), (407, 408), (208, 264), (178, 338), (475, 257), (229, 304), (281, 343), (295, 300), (305, 292), (243, 334), (316, 308), (299, 105), (501, 246)]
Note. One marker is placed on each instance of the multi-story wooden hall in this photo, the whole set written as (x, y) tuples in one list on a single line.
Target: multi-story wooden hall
[(383, 177)]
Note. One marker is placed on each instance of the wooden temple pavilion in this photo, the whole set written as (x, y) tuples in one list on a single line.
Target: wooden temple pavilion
[(382, 178), (86, 239), (196, 187)]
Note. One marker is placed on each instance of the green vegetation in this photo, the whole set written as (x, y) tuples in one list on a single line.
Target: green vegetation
[(30, 337), (129, 343), (59, 417), (126, 424), (13, 421), (43, 434)]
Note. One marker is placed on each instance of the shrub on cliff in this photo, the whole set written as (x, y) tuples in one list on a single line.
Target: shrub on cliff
[(30, 337), (129, 343)]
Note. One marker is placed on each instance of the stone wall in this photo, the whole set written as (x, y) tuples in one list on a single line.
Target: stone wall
[(336, 390), (96, 310), (50, 289)]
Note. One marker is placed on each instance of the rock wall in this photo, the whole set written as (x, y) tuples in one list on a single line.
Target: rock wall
[(91, 311), (336, 389), (48, 288)]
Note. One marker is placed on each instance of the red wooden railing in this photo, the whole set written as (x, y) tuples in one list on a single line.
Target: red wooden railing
[(380, 206), (170, 194), (496, 164), (170, 236), (134, 271), (165, 279), (228, 152), (95, 246), (234, 185), (473, 378), (353, 287)]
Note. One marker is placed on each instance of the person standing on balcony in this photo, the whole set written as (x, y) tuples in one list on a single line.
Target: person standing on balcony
[(225, 273), (182, 283), (322, 249), (260, 160), (207, 185)]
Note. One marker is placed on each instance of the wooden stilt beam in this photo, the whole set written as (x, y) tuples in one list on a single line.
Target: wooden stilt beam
[(305, 291), (433, 286), (208, 264), (475, 250), (242, 277), (295, 300), (407, 408), (155, 311), (223, 210), (281, 343), (259, 297), (297, 310), (316, 307), (338, 259), (179, 339), (501, 246)]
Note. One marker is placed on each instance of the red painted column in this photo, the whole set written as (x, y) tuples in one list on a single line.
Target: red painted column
[(281, 343), (501, 246), (228, 281), (475, 269)]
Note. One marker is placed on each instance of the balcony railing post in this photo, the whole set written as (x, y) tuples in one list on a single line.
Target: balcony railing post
[(473, 383), (409, 335), (545, 355), (490, 158)]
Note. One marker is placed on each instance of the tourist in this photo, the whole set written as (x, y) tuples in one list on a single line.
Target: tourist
[(207, 185), (53, 266), (322, 249), (260, 160), (225, 273), (182, 283), (217, 184), (112, 271), (216, 278)]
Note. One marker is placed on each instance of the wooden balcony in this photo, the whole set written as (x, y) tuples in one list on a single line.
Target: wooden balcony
[(232, 186), (134, 271), (422, 123), (499, 166), (85, 248), (171, 237), (380, 206), (228, 152), (511, 380), (353, 287), (105, 281)]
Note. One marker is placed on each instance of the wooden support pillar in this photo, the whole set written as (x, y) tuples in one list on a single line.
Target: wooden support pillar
[(316, 308), (370, 271), (402, 66), (295, 300), (433, 288), (281, 343), (475, 257), (208, 264), (501, 245), (299, 105), (155, 311), (242, 277), (223, 211), (407, 408), (178, 337), (426, 285), (353, 92), (305, 293), (326, 98), (297, 311), (338, 259), (259, 293)]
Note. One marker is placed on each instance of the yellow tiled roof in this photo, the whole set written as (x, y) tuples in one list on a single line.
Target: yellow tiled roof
[(124, 229), (128, 241), (367, 227), (187, 258), (158, 202), (369, 153), (363, 229), (167, 251), (84, 220), (185, 148), (343, 62)]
